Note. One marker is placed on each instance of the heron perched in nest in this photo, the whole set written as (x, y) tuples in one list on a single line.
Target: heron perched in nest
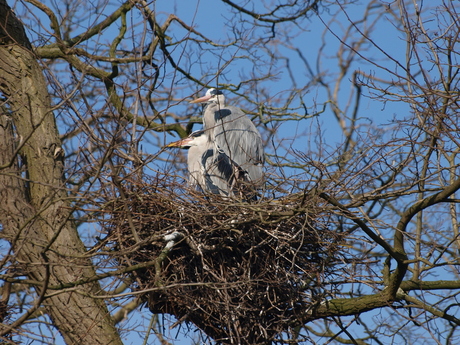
[(227, 155)]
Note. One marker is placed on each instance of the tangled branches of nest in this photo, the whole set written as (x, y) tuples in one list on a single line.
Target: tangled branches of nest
[(243, 273)]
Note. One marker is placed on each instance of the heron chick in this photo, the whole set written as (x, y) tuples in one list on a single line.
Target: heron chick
[(210, 169)]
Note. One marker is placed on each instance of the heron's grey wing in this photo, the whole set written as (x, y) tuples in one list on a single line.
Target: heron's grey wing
[(210, 168), (219, 172), (239, 138)]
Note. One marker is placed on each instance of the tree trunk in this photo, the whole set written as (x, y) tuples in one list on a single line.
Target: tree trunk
[(34, 208)]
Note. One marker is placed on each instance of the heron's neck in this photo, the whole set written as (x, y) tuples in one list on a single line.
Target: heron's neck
[(220, 101)]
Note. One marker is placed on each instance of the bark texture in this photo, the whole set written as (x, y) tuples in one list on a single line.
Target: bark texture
[(34, 208)]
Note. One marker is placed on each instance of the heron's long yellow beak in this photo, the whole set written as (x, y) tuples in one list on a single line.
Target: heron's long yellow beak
[(201, 99), (180, 143)]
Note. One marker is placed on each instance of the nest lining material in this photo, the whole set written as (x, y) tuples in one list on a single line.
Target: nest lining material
[(243, 273)]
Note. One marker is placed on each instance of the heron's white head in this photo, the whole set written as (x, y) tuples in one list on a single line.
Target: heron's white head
[(212, 96), (197, 138)]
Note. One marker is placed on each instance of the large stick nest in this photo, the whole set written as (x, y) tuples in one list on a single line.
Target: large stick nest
[(243, 273)]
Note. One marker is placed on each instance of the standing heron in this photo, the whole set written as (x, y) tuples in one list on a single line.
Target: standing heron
[(235, 134), (210, 169)]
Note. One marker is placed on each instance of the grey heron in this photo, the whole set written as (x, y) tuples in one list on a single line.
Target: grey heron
[(210, 169), (234, 133)]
